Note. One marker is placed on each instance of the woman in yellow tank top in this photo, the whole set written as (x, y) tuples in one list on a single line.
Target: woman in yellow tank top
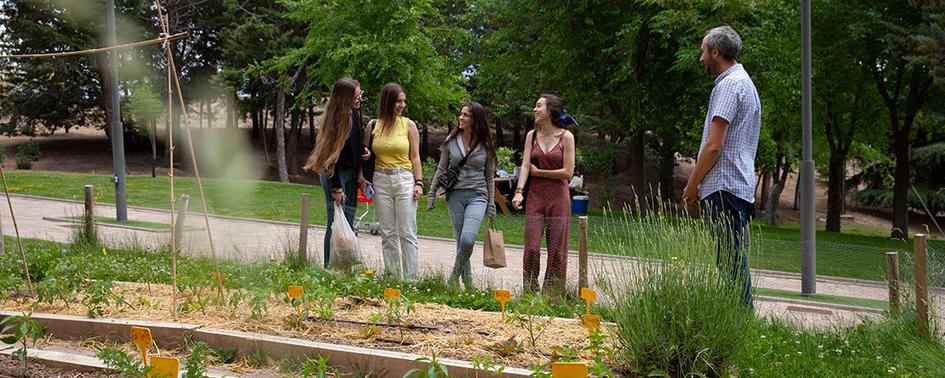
[(398, 182)]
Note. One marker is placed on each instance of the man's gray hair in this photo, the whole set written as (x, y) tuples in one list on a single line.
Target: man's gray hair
[(726, 40)]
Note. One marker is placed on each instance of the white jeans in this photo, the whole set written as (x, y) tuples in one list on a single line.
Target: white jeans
[(397, 214)]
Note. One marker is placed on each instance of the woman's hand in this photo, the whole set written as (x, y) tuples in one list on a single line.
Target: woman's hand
[(517, 201), (366, 155), (338, 197), (431, 202), (417, 192), (534, 171)]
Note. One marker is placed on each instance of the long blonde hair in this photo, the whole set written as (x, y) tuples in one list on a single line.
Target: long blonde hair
[(336, 126)]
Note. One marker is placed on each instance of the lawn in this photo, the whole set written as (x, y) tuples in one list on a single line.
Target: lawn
[(841, 255)]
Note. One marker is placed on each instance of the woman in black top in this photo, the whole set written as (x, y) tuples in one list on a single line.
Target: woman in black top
[(339, 152)]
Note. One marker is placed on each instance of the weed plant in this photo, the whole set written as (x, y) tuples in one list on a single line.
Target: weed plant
[(677, 314)]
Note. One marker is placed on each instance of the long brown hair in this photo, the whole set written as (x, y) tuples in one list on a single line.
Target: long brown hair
[(336, 126), (386, 105), (555, 109), (480, 130)]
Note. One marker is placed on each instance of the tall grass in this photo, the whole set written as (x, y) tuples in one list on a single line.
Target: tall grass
[(677, 313)]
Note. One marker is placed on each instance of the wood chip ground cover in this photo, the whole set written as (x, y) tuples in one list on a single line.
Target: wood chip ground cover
[(450, 332)]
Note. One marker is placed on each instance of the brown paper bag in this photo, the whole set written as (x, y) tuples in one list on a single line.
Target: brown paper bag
[(493, 250)]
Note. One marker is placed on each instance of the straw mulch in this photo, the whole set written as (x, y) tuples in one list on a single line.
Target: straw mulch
[(452, 333)]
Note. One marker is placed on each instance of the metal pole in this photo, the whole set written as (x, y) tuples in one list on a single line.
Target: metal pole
[(118, 137), (808, 225)]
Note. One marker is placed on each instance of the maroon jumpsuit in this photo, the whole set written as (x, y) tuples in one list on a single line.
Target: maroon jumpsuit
[(547, 209)]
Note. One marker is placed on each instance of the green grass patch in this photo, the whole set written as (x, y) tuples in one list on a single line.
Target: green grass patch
[(824, 298), (130, 222), (840, 255)]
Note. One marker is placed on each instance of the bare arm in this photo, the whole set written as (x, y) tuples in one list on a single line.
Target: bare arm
[(708, 156), (565, 173), (524, 171), (413, 135)]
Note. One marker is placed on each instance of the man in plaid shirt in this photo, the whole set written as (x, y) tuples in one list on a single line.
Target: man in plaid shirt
[(724, 177)]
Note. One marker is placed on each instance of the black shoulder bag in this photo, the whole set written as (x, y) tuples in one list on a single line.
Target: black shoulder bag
[(448, 179)]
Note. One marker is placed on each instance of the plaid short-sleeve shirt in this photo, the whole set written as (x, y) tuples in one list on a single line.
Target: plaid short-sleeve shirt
[(735, 100)]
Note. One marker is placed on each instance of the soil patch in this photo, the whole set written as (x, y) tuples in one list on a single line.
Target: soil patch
[(12, 367)]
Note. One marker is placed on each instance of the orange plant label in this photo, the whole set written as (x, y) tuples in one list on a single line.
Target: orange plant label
[(141, 337), (502, 295), (590, 321), (164, 367), (569, 370), (295, 291), (391, 293), (588, 294)]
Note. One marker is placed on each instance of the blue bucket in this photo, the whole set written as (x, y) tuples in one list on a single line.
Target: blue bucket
[(579, 205)]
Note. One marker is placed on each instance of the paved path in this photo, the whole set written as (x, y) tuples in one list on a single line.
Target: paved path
[(258, 240)]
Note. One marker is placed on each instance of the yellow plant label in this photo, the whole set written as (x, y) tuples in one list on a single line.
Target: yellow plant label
[(295, 291), (164, 367), (391, 293), (569, 370), (141, 337), (590, 321), (502, 295), (588, 294)]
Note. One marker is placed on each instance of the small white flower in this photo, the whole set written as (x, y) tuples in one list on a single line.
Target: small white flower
[(799, 353), (764, 337), (820, 347), (839, 351), (751, 371), (820, 355)]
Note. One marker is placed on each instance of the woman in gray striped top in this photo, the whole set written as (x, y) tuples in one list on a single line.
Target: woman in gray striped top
[(469, 148)]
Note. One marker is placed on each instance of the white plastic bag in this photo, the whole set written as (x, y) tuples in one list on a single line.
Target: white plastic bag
[(345, 250)]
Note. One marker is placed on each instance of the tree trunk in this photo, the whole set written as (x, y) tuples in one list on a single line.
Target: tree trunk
[(254, 118), (425, 143), (835, 190), (765, 190), (230, 112), (771, 206), (152, 123), (667, 168), (292, 149), (311, 126), (499, 139), (264, 116), (637, 174), (900, 218), (278, 124)]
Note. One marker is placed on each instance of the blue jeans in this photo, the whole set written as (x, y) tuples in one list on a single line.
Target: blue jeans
[(349, 183), (729, 216), (467, 208)]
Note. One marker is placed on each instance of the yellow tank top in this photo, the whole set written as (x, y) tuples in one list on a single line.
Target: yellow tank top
[(392, 149)]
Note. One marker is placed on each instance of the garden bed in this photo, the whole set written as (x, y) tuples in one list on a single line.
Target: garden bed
[(355, 321)]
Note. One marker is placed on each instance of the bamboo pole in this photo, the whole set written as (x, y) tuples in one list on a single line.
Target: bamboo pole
[(19, 242), (582, 252)]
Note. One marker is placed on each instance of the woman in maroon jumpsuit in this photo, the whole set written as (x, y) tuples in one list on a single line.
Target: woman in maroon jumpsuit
[(549, 164)]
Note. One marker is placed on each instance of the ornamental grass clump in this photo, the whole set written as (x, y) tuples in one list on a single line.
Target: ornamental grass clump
[(676, 312)]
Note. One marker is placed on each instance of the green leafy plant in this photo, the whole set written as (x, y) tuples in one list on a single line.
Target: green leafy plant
[(396, 314), (504, 157), (488, 365), (98, 294), (528, 314), (25, 332), (435, 370), (318, 368), (259, 358), (26, 154), (196, 364), (123, 363), (539, 371)]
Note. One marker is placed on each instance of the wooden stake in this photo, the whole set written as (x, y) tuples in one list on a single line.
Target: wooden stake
[(89, 214), (892, 279), (303, 231), (582, 252), (921, 287)]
